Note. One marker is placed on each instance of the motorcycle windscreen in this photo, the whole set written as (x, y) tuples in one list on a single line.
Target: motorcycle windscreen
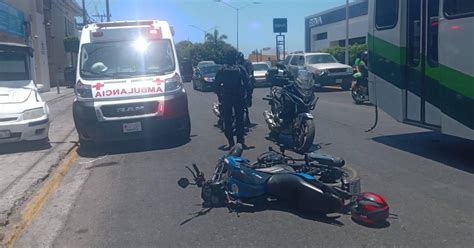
[(305, 80)]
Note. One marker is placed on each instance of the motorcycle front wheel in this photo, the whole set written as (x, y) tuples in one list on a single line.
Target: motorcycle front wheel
[(355, 95), (303, 136)]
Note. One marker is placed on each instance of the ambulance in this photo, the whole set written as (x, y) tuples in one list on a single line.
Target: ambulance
[(129, 84)]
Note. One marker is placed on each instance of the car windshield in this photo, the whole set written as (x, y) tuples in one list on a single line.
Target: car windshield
[(124, 59), (320, 59), (209, 69), (260, 67), (13, 66)]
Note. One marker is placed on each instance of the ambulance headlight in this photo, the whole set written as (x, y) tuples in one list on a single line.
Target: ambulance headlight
[(173, 83), (33, 114), (83, 90)]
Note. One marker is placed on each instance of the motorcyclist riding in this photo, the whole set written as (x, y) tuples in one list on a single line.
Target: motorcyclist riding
[(231, 89), (362, 68)]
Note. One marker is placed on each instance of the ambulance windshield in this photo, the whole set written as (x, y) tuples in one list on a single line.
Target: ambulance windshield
[(125, 59)]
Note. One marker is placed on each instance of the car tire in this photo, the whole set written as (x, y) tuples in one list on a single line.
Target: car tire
[(346, 85)]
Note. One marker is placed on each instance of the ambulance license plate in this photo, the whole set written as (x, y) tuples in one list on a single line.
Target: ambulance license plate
[(132, 127), (5, 134)]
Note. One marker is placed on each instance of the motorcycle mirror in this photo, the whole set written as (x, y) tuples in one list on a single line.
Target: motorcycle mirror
[(183, 182)]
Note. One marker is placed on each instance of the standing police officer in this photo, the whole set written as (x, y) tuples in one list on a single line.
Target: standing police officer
[(231, 89)]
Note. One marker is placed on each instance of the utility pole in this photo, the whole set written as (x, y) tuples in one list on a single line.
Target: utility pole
[(84, 13), (107, 10), (347, 33)]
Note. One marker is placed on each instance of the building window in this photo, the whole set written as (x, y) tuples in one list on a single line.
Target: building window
[(320, 36), (458, 8), (386, 14)]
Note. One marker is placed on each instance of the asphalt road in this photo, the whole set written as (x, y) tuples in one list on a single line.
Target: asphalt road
[(130, 197)]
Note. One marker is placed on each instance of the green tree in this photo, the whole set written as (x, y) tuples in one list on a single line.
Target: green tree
[(213, 48), (183, 49), (339, 52), (215, 38)]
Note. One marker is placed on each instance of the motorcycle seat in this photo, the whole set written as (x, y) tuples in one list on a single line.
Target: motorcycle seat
[(276, 169), (326, 159)]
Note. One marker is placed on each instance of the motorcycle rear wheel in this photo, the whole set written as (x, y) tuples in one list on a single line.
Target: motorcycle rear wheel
[(303, 136)]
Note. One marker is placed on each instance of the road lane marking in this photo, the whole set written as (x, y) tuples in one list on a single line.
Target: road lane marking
[(40, 198)]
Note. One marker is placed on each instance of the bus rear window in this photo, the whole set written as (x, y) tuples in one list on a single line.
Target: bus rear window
[(386, 14), (458, 8)]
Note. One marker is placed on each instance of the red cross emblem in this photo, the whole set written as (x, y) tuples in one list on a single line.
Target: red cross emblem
[(157, 81), (97, 86)]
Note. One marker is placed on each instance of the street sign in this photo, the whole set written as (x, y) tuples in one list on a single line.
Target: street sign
[(280, 25), (11, 20)]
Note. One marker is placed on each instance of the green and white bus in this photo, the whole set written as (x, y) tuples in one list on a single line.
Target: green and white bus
[(421, 62)]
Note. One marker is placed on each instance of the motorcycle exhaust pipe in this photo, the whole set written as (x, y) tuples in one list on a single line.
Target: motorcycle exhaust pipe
[(215, 109), (269, 119)]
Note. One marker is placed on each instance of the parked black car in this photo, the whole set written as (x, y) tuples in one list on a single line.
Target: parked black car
[(204, 76)]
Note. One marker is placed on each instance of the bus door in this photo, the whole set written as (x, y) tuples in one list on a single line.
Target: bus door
[(422, 95)]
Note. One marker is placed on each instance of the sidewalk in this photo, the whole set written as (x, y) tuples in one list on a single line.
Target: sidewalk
[(24, 166), (53, 93)]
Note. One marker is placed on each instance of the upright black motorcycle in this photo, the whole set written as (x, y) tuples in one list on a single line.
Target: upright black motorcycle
[(360, 91), (291, 101)]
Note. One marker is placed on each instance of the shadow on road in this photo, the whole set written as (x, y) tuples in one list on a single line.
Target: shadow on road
[(24, 146), (123, 147), (275, 206), (448, 150), (328, 89)]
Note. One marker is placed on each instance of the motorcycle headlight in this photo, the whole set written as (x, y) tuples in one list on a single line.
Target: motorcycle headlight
[(209, 79), (173, 83), (33, 114), (83, 90)]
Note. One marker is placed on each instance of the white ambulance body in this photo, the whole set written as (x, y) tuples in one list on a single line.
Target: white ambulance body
[(128, 83)]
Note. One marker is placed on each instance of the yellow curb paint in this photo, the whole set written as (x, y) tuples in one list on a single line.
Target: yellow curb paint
[(40, 198)]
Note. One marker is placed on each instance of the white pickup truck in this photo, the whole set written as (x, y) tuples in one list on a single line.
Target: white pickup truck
[(23, 114)]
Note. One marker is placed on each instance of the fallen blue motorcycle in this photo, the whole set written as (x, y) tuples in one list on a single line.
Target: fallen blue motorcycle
[(316, 183)]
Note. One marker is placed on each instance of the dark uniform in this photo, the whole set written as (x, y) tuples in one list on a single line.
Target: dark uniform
[(231, 89)]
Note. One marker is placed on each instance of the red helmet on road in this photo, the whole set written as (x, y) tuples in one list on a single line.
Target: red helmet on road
[(370, 209)]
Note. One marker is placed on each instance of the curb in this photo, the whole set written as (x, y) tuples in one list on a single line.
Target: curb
[(40, 198)]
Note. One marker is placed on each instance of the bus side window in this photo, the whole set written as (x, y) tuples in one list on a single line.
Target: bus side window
[(433, 18), (458, 8), (386, 14)]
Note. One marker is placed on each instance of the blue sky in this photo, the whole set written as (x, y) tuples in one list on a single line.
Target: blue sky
[(256, 20)]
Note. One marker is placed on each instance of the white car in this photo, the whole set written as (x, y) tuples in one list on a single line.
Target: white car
[(260, 70), (23, 114), (338, 73)]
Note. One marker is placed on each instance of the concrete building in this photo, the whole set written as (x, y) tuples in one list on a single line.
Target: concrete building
[(22, 21), (328, 28), (59, 17)]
